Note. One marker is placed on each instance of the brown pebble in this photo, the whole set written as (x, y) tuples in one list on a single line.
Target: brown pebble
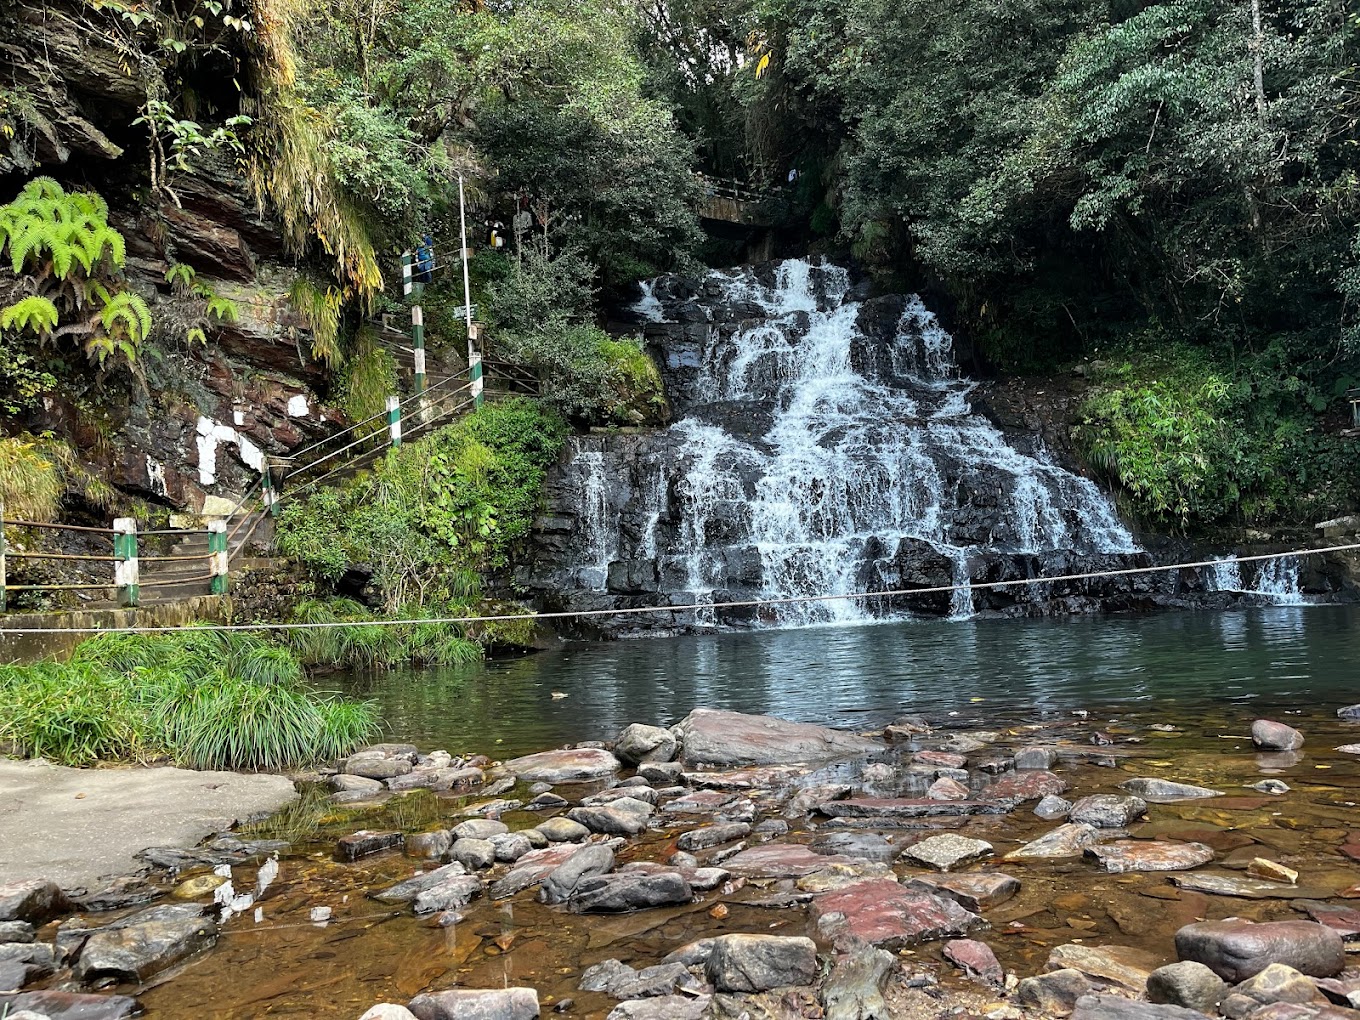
[(719, 912)]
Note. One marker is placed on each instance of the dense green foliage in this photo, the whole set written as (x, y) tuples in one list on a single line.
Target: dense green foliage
[(205, 699), (1194, 437), (435, 513)]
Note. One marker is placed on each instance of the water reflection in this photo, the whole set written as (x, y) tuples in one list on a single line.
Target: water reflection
[(862, 676)]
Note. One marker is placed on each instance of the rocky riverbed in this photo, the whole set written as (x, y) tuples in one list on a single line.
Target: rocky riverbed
[(1138, 867)]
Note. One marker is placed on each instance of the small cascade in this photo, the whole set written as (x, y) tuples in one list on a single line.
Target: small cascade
[(1275, 580), (826, 445)]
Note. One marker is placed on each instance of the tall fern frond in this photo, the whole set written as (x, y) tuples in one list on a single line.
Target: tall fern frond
[(35, 313)]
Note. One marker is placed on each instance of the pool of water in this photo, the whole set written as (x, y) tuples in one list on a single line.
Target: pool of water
[(864, 676)]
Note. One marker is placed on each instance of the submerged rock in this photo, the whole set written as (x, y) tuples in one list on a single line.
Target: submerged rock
[(448, 894), (757, 963), (1245, 888), (976, 892), (1237, 949), (712, 737), (408, 890), (1159, 790), (782, 860), (627, 891)]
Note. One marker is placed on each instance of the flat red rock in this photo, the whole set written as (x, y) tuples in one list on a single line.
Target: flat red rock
[(884, 913)]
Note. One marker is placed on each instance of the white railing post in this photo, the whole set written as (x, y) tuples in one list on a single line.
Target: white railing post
[(394, 419), (126, 576)]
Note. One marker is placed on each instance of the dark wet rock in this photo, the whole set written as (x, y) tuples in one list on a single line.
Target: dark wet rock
[(587, 862), (15, 931), (1055, 993), (626, 891), (563, 830), (1279, 983), (573, 766), (639, 743), (946, 852), (620, 818), (343, 782), (1108, 810), (886, 914), (709, 836), (662, 773), (617, 979), (407, 891), (432, 845), (1119, 966), (601, 976), (1127, 855), (854, 988), (479, 828), (473, 854), (1187, 984), (1035, 757), (899, 807), (976, 892), (122, 893), (477, 1004), (1237, 949), (1244, 888), (976, 960), (1268, 735), (144, 944), (1067, 840), (1053, 807), (376, 768), (56, 1005), (24, 962), (33, 901), (366, 842), (1033, 784), (869, 846), (994, 766), (711, 737), (1114, 1007), (782, 860), (1163, 791), (757, 963)]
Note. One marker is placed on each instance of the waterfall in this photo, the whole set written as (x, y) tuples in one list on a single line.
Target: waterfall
[(1276, 580), (828, 446)]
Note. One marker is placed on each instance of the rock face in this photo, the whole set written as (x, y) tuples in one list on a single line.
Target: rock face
[(581, 765), (1236, 949), (477, 1004), (1274, 736), (757, 963), (711, 737), (888, 915)]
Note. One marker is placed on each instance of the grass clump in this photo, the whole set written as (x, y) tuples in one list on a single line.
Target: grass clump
[(355, 641), (206, 699)]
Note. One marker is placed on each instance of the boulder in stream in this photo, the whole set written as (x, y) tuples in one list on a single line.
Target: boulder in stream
[(578, 765), (639, 743), (712, 737), (35, 901), (1269, 735), (757, 963), (1236, 949), (477, 1004), (144, 944)]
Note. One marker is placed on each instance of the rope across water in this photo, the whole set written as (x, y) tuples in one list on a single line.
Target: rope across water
[(705, 606)]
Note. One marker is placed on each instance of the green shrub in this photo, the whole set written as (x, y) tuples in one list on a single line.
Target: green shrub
[(361, 643), (207, 699)]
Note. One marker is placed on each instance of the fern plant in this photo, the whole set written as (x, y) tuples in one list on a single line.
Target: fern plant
[(184, 282), (66, 262)]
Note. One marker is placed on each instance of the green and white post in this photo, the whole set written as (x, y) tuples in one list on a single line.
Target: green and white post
[(473, 329), (3, 580), (126, 576), (394, 420), (217, 556), (269, 496), (418, 346)]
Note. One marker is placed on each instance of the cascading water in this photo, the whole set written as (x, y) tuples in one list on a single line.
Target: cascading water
[(1276, 580), (828, 446)]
